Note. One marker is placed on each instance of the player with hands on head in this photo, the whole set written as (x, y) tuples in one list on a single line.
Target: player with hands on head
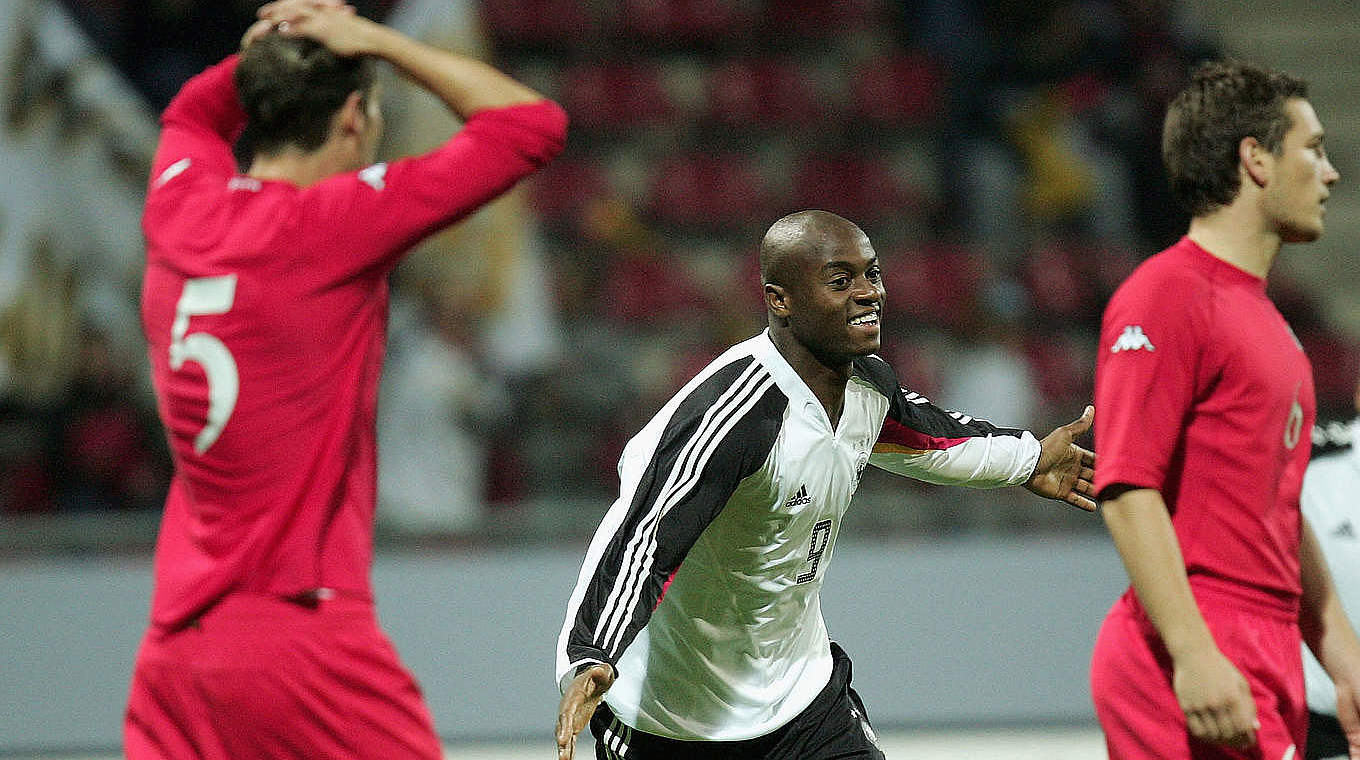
[(695, 628), (1205, 397), (264, 305)]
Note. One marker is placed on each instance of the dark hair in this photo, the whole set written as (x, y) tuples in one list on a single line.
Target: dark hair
[(1225, 102), (291, 87)]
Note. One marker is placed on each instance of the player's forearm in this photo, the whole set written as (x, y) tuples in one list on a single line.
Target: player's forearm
[(464, 84), (989, 461), (1141, 529), (1322, 620)]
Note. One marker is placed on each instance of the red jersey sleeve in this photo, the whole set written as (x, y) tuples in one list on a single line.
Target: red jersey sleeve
[(200, 125), (1147, 365), (376, 214)]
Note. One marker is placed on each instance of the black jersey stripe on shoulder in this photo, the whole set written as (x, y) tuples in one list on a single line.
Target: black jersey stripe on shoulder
[(877, 373), (912, 420), (1331, 438), (684, 468)]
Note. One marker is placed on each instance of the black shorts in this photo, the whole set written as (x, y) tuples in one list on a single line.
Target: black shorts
[(835, 725), (1325, 737)]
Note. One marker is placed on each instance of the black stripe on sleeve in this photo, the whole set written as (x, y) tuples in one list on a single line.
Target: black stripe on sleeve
[(1331, 438), (914, 412)]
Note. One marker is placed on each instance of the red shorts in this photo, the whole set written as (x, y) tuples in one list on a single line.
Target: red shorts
[(260, 677), (1131, 680)]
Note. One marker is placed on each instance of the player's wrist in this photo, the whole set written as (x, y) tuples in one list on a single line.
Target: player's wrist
[(587, 666), (1190, 647)]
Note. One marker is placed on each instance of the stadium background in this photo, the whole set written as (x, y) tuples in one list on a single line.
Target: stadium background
[(1001, 154)]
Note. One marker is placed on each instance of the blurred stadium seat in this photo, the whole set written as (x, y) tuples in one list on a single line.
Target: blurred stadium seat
[(900, 90), (763, 93), (707, 190), (536, 22), (616, 95)]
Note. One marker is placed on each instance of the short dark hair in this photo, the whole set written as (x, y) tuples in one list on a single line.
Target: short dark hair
[(291, 87), (1225, 102)]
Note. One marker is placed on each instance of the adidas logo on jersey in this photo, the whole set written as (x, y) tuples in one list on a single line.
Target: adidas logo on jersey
[(799, 499), (1132, 339), (1344, 530)]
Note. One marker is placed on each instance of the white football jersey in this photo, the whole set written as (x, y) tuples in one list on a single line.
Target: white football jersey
[(701, 584), (1330, 502)]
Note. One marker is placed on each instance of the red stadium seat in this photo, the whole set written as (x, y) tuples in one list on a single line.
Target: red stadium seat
[(899, 90), (763, 92), (936, 284), (616, 95), (820, 18), (566, 185), (684, 21), (858, 187), (537, 21), (1057, 280), (1063, 371), (707, 190)]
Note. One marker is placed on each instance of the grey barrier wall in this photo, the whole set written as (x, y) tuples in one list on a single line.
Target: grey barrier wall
[(968, 631)]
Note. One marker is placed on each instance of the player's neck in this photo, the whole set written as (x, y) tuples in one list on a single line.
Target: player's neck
[(1237, 234), (826, 379), (301, 168)]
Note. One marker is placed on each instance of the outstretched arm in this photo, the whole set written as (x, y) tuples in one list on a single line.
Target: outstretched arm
[(923, 441), (464, 84), (578, 704), (1214, 696), (1065, 471)]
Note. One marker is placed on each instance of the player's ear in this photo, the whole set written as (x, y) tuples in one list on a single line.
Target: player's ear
[(1255, 160), (776, 299), (352, 117)]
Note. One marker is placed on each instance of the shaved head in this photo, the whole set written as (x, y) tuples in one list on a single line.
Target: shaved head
[(797, 236), (823, 290)]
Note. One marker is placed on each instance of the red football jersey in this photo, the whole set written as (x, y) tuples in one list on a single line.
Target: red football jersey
[(264, 306), (1204, 393)]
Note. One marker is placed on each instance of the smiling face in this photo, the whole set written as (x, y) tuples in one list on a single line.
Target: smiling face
[(825, 287), (1300, 178)]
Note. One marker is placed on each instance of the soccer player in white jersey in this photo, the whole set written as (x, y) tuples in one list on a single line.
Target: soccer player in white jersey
[(1328, 503), (695, 628)]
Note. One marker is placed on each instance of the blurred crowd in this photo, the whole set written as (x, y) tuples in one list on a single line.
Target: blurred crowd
[(1003, 156)]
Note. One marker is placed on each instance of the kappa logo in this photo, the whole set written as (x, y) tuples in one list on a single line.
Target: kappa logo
[(1132, 339), (799, 499)]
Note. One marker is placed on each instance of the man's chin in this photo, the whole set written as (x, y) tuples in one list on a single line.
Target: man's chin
[(867, 347), (1302, 234)]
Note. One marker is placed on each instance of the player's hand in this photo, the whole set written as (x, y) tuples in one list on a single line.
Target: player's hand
[(1065, 470), (1216, 700), (279, 9), (1348, 715), (329, 22), (273, 15), (257, 30), (579, 701)]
